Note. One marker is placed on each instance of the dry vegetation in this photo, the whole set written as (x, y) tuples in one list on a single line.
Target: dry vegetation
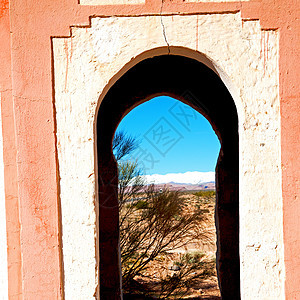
[(168, 246), (167, 238)]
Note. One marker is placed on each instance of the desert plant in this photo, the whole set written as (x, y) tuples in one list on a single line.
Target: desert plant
[(205, 194), (205, 197), (160, 227), (130, 181), (141, 204), (123, 145), (152, 227), (193, 267)]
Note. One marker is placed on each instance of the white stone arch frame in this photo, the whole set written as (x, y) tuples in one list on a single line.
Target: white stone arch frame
[(85, 64)]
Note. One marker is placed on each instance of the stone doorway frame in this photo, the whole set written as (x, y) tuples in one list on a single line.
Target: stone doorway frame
[(88, 63)]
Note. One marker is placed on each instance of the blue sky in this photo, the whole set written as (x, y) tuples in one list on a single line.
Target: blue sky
[(174, 138)]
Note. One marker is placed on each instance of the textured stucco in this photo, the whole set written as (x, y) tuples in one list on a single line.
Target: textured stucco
[(3, 242), (213, 0), (246, 59), (110, 2), (120, 2)]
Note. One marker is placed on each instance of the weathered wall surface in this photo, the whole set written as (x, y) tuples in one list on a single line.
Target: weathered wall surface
[(110, 2), (10, 255), (247, 61), (130, 2), (3, 242), (213, 0)]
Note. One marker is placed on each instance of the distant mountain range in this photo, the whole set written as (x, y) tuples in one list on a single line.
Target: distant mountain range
[(182, 178), (183, 181)]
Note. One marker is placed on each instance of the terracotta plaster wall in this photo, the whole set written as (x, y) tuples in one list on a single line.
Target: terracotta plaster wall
[(29, 153), (9, 160), (3, 241), (290, 114)]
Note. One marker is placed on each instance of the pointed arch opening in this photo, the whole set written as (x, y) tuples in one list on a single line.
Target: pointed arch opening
[(197, 85)]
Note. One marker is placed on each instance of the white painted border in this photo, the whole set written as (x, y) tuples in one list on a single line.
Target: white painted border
[(3, 241), (245, 58)]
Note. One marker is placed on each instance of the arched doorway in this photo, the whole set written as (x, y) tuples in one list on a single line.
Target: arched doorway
[(193, 83)]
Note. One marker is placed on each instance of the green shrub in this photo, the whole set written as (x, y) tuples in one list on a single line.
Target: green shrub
[(205, 194), (141, 204)]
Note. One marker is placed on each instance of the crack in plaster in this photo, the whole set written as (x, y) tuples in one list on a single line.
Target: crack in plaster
[(6, 90), (163, 26), (26, 98)]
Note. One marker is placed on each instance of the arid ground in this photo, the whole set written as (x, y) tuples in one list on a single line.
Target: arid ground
[(168, 266)]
